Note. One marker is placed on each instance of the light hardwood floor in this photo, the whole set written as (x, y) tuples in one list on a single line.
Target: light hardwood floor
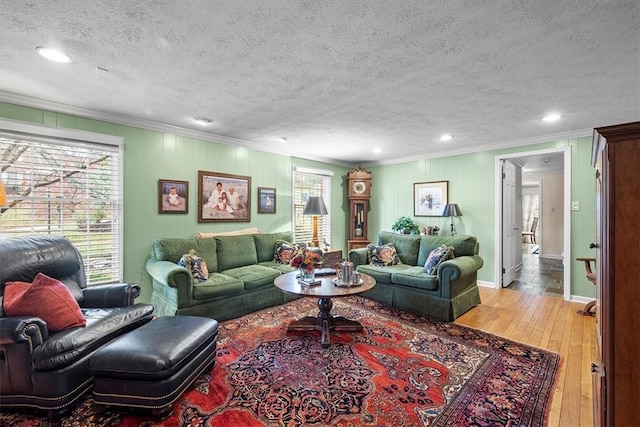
[(552, 324)]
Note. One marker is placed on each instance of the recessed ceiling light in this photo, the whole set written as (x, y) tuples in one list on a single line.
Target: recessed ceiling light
[(377, 150), (282, 139), (202, 121), (53, 55), (446, 137), (552, 117)]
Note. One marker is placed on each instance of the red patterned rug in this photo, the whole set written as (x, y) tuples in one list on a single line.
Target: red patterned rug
[(402, 370)]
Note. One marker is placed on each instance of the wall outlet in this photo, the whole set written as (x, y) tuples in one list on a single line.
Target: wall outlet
[(575, 205)]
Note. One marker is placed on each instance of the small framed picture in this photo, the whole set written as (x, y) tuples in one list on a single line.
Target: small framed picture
[(223, 197), (266, 200), (430, 198), (173, 196)]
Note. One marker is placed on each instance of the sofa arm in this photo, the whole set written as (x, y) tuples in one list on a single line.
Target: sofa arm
[(112, 295), (22, 329), (456, 269), (170, 274), (358, 256)]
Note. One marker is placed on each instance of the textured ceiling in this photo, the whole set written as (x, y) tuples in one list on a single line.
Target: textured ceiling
[(336, 78)]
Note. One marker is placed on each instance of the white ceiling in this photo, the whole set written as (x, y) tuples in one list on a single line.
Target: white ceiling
[(336, 78)]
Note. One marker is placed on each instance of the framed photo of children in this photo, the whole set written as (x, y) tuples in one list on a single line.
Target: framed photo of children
[(429, 198), (223, 197), (266, 200), (173, 196)]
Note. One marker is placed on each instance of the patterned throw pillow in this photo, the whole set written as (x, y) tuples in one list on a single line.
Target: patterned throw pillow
[(196, 265), (436, 257), (384, 255), (285, 251)]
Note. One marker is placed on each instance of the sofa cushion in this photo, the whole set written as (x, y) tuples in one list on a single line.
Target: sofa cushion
[(462, 245), (217, 285), (282, 268), (236, 251), (407, 245), (103, 324), (171, 249), (265, 243), (381, 274), (254, 276), (46, 298), (285, 252), (382, 256), (437, 257), (415, 277)]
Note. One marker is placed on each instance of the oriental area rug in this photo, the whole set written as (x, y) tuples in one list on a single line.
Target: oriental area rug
[(403, 369)]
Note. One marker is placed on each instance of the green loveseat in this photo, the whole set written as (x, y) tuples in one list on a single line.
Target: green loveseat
[(446, 295), (241, 274)]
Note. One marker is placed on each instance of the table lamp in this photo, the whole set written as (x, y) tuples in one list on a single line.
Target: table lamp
[(315, 206), (452, 209)]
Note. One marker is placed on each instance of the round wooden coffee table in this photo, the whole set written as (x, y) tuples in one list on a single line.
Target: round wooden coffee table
[(325, 321)]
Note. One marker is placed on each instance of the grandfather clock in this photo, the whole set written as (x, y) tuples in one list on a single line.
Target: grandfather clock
[(359, 181)]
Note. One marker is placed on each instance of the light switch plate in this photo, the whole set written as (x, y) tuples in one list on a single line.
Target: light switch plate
[(575, 205)]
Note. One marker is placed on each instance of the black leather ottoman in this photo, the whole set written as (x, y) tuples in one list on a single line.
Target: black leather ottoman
[(151, 366)]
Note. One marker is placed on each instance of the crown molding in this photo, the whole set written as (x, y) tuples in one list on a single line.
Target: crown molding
[(491, 146), (27, 101)]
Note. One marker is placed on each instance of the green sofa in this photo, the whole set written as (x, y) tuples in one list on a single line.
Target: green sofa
[(241, 274), (446, 295)]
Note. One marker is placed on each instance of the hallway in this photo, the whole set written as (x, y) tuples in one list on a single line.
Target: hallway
[(540, 276)]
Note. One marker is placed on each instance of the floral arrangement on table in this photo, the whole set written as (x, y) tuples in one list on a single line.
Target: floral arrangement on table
[(306, 261)]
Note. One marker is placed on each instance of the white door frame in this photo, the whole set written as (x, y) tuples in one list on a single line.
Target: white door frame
[(497, 274)]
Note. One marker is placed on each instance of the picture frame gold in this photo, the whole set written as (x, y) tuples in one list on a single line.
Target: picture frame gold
[(223, 197)]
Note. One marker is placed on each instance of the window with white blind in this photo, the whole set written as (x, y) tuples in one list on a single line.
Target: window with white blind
[(69, 186), (307, 183)]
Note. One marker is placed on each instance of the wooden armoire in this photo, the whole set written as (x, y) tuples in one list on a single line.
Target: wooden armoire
[(616, 370)]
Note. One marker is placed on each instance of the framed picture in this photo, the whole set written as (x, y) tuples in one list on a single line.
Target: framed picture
[(429, 198), (266, 200), (173, 196), (223, 197)]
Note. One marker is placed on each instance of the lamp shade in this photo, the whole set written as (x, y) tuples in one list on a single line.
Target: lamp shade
[(315, 206), (451, 209)]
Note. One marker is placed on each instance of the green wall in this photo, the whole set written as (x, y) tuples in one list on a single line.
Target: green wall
[(472, 185), (151, 155)]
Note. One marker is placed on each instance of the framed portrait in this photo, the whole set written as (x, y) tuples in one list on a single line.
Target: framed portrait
[(223, 197), (173, 196), (429, 198), (266, 200)]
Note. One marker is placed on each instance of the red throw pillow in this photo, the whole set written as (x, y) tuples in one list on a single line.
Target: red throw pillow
[(12, 291), (46, 298)]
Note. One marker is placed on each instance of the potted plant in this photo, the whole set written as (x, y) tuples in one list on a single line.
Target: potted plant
[(405, 225)]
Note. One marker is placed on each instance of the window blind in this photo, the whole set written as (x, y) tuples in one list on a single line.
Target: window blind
[(65, 187), (307, 183)]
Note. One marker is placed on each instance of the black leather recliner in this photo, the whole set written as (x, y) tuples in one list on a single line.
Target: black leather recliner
[(45, 370)]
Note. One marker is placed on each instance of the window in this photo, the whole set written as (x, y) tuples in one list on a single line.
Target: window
[(67, 183), (306, 183)]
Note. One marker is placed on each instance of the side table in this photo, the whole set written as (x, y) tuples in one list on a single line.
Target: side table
[(331, 258)]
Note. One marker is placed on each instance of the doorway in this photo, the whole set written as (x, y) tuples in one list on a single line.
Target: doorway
[(508, 244)]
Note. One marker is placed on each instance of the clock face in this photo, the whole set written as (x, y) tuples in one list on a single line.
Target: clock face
[(359, 187)]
